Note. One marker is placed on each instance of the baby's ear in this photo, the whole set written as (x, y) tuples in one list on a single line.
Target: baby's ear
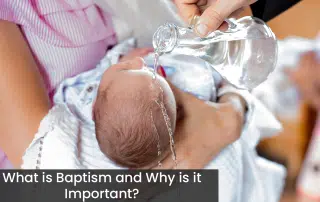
[(161, 71)]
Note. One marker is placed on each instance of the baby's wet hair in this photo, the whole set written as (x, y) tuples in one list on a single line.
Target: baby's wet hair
[(124, 127)]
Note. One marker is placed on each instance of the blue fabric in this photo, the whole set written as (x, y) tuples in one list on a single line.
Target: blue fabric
[(80, 91)]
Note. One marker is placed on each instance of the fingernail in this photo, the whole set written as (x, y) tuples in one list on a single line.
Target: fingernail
[(163, 72), (202, 29)]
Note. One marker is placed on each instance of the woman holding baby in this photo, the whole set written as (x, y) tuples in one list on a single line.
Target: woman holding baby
[(44, 42)]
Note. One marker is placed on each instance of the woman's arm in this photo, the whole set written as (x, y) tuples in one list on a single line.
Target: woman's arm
[(23, 100), (205, 129)]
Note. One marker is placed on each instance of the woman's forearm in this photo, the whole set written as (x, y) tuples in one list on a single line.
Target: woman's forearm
[(188, 159), (196, 157), (24, 101), (191, 152)]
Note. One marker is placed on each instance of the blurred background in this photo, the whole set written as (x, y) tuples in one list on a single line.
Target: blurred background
[(297, 29)]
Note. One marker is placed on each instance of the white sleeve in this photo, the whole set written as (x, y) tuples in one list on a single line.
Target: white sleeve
[(260, 122), (55, 144)]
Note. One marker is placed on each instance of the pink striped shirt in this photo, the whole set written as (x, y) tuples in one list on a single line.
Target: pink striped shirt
[(66, 37)]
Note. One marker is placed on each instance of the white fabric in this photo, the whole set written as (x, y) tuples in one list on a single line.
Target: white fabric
[(69, 141), (139, 18)]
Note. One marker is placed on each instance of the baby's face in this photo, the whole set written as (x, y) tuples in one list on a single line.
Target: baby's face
[(132, 76)]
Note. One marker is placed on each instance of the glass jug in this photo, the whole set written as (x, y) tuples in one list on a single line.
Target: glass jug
[(244, 55)]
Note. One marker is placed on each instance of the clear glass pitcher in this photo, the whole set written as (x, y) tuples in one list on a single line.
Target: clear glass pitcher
[(244, 55)]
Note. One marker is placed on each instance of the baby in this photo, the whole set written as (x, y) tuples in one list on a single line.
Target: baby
[(130, 111)]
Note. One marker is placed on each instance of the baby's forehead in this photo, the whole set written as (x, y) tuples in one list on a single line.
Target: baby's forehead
[(133, 84), (128, 78), (127, 91)]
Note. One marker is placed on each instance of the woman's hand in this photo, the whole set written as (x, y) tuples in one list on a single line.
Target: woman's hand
[(307, 79), (213, 12), (204, 129)]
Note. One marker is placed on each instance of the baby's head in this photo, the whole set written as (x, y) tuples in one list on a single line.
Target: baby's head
[(129, 123)]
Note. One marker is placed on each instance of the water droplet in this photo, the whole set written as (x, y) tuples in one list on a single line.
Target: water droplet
[(259, 57)]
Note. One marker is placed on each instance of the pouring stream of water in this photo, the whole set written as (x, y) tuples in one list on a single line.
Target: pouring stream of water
[(164, 112)]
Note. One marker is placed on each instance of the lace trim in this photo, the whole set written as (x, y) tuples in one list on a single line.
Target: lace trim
[(49, 128)]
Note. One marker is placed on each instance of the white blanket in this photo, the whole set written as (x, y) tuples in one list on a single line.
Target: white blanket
[(139, 19)]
